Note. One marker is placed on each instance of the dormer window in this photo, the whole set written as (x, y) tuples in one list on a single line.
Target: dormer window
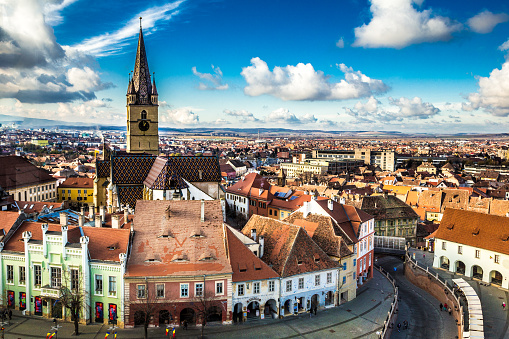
[(179, 258), (196, 234), (152, 260), (317, 258), (207, 257), (299, 261)]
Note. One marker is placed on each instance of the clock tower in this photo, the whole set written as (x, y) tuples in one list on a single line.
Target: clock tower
[(142, 106)]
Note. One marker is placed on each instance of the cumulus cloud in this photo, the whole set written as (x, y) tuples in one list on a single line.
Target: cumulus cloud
[(397, 24), (215, 81), (302, 82), (485, 21), (180, 116), (402, 108), (340, 43), (493, 93), (242, 115), (284, 116), (113, 42)]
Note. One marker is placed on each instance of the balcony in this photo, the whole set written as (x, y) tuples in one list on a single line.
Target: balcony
[(50, 292)]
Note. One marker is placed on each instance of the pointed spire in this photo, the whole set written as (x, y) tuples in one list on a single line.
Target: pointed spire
[(141, 73), (154, 89)]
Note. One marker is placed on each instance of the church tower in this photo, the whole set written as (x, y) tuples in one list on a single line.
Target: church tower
[(142, 106)]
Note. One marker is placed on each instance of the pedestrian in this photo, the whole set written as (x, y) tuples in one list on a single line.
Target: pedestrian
[(185, 324), (445, 307), (441, 307), (405, 324), (503, 305), (399, 327), (10, 314), (424, 256), (316, 307), (450, 311)]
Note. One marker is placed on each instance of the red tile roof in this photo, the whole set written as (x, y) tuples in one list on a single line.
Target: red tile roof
[(18, 172), (241, 256), (252, 180), (474, 229), (7, 220), (85, 183), (170, 239)]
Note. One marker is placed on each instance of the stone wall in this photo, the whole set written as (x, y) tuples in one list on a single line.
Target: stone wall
[(429, 283)]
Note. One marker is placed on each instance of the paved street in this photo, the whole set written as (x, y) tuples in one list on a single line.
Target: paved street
[(417, 307), (496, 320), (361, 318)]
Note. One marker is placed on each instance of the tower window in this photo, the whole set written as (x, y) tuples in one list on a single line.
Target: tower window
[(143, 115)]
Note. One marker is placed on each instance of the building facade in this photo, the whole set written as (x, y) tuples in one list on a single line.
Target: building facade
[(77, 191)]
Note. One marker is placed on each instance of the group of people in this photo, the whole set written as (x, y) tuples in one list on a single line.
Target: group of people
[(405, 325), (6, 313), (444, 307)]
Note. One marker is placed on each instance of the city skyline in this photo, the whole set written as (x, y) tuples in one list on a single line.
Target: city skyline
[(419, 66)]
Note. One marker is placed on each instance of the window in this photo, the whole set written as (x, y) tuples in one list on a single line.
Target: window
[(317, 280), (37, 275), (344, 280), (355, 262), (68, 191), (272, 286), (142, 291), (198, 290), (443, 245), (329, 278), (256, 288), (22, 275), (288, 286), (74, 279), (241, 289), (301, 283), (160, 290), (477, 254), (184, 290), (354, 275), (344, 266), (497, 259), (112, 286), (10, 274), (219, 288), (85, 191), (79, 191), (56, 277), (460, 249), (98, 284)]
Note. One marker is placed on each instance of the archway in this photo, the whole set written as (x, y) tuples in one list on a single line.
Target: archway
[(496, 278), (214, 313), (164, 317), (270, 309), (188, 315), (253, 309), (329, 298), (460, 267), (288, 309), (444, 262), (315, 301), (301, 304), (139, 318), (477, 272), (237, 312)]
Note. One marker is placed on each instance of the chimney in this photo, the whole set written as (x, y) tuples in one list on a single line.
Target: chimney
[(202, 218), (102, 212), (253, 234), (126, 216), (91, 211), (44, 228), (115, 223), (330, 204), (98, 222), (64, 240), (64, 218), (81, 220), (262, 242), (306, 209)]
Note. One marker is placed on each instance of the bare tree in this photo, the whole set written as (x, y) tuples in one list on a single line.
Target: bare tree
[(73, 295), (205, 306), (146, 308)]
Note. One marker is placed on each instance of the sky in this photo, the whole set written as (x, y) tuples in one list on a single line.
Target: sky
[(424, 66)]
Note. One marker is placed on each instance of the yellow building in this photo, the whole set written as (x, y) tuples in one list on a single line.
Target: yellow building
[(78, 191)]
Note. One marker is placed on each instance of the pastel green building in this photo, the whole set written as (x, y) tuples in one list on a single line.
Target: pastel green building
[(37, 260)]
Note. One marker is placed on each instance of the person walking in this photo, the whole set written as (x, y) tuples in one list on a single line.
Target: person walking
[(450, 311), (441, 307), (503, 305), (445, 307), (405, 324), (399, 327), (185, 324)]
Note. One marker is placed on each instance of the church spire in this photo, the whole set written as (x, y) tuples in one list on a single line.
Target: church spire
[(141, 73)]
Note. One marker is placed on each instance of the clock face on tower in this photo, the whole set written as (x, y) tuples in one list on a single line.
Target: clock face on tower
[(144, 125)]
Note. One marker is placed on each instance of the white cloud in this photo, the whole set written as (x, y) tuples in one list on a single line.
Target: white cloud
[(493, 94), (504, 46), (215, 80), (284, 116), (302, 82), (397, 24), (180, 116), (52, 11), (340, 43), (242, 115), (485, 21), (113, 42), (414, 108)]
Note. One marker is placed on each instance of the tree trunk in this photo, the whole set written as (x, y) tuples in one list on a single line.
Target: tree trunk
[(76, 322), (145, 327)]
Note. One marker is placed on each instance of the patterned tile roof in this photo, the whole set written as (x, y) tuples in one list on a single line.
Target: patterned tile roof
[(102, 168), (161, 177), (196, 169), (130, 194), (131, 168)]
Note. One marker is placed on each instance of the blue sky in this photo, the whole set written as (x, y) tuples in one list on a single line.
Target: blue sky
[(400, 65)]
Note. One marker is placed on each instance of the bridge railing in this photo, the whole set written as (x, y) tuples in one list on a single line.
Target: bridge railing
[(388, 323), (397, 243)]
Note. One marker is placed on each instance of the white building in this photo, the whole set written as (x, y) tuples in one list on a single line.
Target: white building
[(474, 244)]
